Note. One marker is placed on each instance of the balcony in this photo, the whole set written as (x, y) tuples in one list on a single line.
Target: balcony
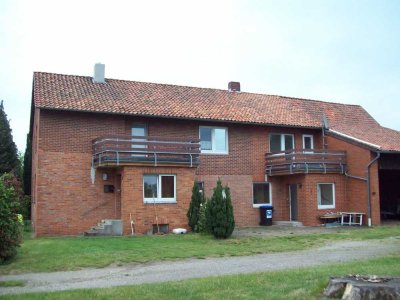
[(305, 161), (114, 151)]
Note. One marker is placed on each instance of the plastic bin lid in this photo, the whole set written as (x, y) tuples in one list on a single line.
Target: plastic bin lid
[(266, 206)]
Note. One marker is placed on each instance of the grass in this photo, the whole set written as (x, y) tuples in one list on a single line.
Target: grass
[(71, 253), (305, 283), (10, 283)]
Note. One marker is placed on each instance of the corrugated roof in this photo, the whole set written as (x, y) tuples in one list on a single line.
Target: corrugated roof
[(79, 93)]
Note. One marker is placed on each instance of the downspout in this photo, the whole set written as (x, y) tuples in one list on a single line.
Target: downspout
[(378, 154), (355, 177)]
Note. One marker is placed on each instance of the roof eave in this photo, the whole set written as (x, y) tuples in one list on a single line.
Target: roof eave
[(362, 143), (179, 118)]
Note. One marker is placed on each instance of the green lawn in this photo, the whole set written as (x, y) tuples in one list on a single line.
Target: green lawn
[(10, 283), (305, 283), (69, 253)]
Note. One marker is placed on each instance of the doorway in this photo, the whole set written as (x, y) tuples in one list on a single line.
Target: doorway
[(117, 194), (293, 202)]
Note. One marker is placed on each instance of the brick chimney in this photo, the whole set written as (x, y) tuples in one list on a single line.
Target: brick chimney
[(234, 86), (99, 73)]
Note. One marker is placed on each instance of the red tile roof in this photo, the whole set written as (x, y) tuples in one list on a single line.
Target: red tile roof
[(79, 93)]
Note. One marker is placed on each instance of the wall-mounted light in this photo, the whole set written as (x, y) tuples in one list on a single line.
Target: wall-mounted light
[(105, 176)]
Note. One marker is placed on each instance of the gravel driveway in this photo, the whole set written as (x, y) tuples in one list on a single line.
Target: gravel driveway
[(132, 274)]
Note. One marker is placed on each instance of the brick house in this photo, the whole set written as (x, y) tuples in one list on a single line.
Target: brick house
[(126, 150)]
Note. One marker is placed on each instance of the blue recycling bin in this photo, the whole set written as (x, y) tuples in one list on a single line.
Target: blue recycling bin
[(266, 212)]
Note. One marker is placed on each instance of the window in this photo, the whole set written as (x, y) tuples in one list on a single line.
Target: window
[(214, 140), (261, 194), (159, 188), (139, 130), (281, 142), (200, 185), (308, 141), (326, 195)]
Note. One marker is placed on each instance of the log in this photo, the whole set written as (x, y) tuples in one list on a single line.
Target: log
[(358, 287)]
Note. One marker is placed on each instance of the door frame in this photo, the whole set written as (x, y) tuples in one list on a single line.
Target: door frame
[(290, 203)]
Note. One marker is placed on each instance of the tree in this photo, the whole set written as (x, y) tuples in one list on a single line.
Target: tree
[(194, 207), (8, 151), (27, 165), (219, 214), (10, 226)]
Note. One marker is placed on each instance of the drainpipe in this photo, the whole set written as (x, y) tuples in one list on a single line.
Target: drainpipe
[(378, 154), (355, 177)]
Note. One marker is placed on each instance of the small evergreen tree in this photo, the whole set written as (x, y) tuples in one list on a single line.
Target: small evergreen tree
[(202, 223), (10, 226), (194, 207), (219, 213), (8, 151)]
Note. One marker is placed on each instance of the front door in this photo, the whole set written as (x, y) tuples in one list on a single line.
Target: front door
[(117, 193), (293, 201)]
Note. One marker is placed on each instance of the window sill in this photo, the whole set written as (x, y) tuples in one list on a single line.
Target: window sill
[(214, 153), (326, 207), (159, 202)]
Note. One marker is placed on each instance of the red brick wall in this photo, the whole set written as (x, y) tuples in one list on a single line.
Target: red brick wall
[(144, 214), (356, 190), (35, 145), (307, 199), (67, 203)]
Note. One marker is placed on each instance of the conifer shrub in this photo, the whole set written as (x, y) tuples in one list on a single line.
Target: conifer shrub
[(219, 212), (194, 207), (10, 225), (202, 223)]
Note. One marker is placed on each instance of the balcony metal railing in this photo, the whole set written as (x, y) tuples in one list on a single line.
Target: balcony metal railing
[(152, 150), (305, 161)]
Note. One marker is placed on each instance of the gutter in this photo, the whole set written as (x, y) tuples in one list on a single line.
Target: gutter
[(355, 177), (378, 154)]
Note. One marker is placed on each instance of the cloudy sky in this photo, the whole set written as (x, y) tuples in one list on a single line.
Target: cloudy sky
[(341, 51)]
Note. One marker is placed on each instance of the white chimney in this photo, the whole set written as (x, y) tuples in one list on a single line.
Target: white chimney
[(99, 72)]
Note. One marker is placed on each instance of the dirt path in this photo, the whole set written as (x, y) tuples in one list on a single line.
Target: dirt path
[(133, 274)]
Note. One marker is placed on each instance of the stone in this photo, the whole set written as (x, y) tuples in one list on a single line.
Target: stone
[(359, 287)]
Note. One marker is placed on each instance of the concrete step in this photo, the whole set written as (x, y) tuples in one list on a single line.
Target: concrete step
[(288, 223), (107, 227)]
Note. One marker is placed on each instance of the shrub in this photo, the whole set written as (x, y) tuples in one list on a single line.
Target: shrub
[(10, 227), (219, 213), (202, 223), (194, 208)]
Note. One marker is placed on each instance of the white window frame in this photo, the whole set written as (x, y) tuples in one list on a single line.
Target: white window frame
[(257, 205), (319, 196), (213, 150), (304, 142), (158, 199), (282, 140)]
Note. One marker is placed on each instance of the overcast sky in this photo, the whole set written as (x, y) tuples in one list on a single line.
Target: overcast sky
[(341, 51)]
